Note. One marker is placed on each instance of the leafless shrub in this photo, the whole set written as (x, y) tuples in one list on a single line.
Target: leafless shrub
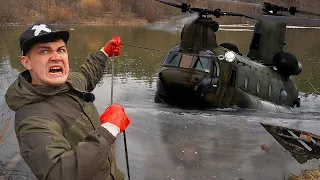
[(4, 125), (91, 8)]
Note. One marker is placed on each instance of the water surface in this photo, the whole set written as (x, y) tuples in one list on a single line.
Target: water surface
[(172, 143)]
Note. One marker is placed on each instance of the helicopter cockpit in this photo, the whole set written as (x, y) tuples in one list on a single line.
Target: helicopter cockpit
[(203, 62), (193, 73)]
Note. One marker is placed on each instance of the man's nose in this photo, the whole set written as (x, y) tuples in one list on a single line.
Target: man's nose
[(55, 55)]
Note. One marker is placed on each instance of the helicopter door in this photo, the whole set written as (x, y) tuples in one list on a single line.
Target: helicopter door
[(185, 64), (201, 69), (176, 70)]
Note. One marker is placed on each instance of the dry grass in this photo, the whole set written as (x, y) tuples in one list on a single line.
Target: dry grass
[(60, 13), (4, 125), (121, 19), (90, 8), (4, 136), (306, 174)]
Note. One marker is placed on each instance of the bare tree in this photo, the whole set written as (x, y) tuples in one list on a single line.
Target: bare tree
[(70, 10)]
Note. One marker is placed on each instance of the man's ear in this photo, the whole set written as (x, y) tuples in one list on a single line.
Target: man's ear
[(25, 61)]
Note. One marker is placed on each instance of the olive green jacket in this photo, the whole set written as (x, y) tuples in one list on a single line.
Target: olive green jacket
[(58, 129)]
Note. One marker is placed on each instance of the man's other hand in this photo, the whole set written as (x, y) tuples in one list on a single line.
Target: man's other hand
[(114, 119)]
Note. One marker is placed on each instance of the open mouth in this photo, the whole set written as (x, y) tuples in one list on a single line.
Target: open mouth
[(56, 69)]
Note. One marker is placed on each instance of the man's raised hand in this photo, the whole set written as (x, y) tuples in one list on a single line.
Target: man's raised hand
[(113, 46)]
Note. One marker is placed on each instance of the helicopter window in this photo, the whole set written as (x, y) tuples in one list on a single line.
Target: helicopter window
[(216, 69), (200, 63), (255, 41), (270, 91), (246, 81), (173, 59), (186, 61)]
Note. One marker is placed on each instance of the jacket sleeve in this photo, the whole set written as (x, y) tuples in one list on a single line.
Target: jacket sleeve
[(50, 156), (90, 73)]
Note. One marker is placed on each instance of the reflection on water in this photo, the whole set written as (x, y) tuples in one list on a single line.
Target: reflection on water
[(180, 144), (170, 143)]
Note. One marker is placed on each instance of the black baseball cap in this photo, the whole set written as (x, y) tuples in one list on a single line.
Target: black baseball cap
[(37, 32)]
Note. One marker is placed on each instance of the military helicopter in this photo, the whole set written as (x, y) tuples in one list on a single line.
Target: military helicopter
[(198, 72)]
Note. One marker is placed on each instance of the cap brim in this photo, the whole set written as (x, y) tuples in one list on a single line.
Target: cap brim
[(64, 35)]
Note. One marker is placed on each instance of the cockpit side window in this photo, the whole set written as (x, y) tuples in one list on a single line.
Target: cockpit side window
[(201, 63), (173, 59)]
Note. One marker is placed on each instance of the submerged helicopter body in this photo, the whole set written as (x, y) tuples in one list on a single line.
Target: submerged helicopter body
[(198, 72)]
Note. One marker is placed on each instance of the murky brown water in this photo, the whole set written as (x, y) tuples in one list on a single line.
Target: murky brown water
[(172, 143)]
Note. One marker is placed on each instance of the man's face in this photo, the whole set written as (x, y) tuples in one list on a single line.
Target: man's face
[(48, 63)]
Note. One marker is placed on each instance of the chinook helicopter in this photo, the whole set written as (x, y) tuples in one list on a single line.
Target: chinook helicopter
[(198, 72)]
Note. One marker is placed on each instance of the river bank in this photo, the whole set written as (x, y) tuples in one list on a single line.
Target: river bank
[(107, 19)]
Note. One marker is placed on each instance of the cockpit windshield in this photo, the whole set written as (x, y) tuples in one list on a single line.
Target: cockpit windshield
[(199, 63), (173, 59)]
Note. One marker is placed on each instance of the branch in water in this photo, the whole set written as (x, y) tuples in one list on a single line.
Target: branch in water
[(312, 85)]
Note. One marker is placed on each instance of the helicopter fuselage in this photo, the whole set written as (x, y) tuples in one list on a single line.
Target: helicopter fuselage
[(207, 79), (199, 73)]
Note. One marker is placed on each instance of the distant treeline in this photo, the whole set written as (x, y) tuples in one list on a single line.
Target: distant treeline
[(77, 11)]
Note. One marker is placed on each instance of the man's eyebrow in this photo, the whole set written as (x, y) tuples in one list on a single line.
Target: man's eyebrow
[(48, 47)]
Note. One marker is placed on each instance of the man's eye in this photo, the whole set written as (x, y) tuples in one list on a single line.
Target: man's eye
[(44, 51), (61, 50)]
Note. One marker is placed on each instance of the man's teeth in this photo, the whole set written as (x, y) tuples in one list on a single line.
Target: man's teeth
[(56, 69)]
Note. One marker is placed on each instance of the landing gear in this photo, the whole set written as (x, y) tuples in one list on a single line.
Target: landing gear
[(297, 102), (157, 98)]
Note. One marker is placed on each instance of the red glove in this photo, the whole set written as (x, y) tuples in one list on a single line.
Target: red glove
[(115, 115), (114, 45)]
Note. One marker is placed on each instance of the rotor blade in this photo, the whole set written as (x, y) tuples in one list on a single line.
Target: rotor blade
[(237, 2), (260, 5), (283, 19), (307, 13), (174, 23), (177, 5)]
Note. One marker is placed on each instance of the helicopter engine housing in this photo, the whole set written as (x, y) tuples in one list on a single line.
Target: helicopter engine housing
[(199, 35), (268, 40), (287, 64)]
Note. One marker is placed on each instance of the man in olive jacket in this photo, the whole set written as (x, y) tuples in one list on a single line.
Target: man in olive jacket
[(60, 133)]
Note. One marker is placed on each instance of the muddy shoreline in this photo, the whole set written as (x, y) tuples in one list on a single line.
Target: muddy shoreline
[(108, 19)]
